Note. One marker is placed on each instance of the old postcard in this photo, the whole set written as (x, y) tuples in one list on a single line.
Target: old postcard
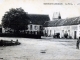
[(39, 29)]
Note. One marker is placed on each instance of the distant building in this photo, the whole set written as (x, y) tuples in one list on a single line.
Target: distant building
[(56, 15), (34, 29), (64, 28)]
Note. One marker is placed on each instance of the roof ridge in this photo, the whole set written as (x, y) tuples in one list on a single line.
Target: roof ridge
[(64, 22)]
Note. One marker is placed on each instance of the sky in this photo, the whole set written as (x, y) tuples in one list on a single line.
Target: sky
[(67, 8)]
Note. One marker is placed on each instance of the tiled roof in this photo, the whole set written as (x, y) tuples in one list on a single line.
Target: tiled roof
[(63, 22), (38, 19)]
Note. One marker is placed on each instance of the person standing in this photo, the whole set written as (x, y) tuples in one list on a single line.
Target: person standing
[(77, 44)]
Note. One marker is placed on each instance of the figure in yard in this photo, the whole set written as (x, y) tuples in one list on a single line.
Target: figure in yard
[(77, 44), (11, 41), (17, 43)]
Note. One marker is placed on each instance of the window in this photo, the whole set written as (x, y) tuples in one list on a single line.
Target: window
[(35, 27), (62, 30), (40, 27)]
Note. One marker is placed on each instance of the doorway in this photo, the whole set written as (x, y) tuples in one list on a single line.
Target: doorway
[(75, 34)]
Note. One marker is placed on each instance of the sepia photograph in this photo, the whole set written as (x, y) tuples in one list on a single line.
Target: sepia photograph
[(39, 29)]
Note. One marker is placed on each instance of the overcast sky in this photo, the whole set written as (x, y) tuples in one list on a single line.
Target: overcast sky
[(67, 8)]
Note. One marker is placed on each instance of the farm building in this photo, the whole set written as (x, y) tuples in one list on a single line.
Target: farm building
[(63, 28)]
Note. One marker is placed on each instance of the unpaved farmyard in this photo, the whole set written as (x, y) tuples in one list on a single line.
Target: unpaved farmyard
[(40, 49)]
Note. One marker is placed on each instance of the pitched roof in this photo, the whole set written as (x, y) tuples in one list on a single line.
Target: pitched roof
[(62, 22), (38, 19)]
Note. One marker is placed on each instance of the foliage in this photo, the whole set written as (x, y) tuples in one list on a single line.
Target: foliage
[(16, 19)]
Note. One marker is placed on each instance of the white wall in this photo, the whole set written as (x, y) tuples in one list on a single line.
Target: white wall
[(37, 28), (62, 29), (78, 31)]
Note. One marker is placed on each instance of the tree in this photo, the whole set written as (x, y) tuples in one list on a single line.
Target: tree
[(16, 19)]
